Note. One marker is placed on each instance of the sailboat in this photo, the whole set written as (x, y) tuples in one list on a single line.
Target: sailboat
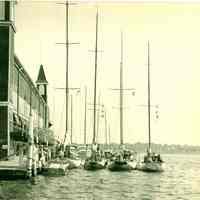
[(69, 158), (95, 161), (152, 162), (122, 161)]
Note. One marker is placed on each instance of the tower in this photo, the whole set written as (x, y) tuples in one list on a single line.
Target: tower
[(7, 31), (42, 83)]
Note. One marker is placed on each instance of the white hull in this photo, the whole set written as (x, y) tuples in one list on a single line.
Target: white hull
[(56, 169), (77, 163), (74, 163), (103, 162), (133, 164)]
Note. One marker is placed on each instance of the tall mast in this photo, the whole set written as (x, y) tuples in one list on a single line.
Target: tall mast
[(121, 92), (67, 58), (71, 119), (67, 66), (149, 94), (85, 119), (95, 82)]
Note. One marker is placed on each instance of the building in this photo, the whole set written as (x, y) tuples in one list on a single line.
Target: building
[(19, 98)]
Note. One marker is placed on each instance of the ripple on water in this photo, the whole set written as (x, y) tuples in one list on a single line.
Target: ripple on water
[(181, 180)]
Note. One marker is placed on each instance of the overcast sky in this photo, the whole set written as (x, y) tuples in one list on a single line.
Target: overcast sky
[(173, 30)]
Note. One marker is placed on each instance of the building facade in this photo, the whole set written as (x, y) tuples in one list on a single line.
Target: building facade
[(19, 97)]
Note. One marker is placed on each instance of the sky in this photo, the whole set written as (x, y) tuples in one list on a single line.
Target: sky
[(172, 30)]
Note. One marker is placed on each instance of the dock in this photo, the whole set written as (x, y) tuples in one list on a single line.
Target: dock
[(13, 169)]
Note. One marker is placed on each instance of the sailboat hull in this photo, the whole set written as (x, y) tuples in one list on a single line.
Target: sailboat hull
[(151, 167), (120, 166), (55, 168), (94, 165), (73, 164)]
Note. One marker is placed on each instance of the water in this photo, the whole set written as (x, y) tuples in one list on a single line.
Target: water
[(180, 181)]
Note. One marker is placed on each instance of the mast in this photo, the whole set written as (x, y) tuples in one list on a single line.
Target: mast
[(67, 66), (85, 119), (71, 120), (149, 102), (67, 58), (95, 82), (121, 92)]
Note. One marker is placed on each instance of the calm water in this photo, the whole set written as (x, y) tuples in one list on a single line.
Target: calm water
[(181, 180)]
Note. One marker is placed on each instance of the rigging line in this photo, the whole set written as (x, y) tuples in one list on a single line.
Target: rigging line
[(149, 102)]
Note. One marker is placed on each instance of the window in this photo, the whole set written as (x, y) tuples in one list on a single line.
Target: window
[(41, 89), (2, 10), (12, 11), (7, 10)]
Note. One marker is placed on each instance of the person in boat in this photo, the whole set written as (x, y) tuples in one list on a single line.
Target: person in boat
[(102, 154), (118, 157), (148, 157), (126, 153), (98, 147), (154, 157), (112, 156), (53, 152), (159, 159), (132, 156), (121, 153), (49, 154), (88, 153), (94, 152), (98, 153), (94, 147), (67, 153), (61, 154)]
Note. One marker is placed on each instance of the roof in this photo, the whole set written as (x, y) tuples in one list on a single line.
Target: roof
[(41, 76), (22, 70)]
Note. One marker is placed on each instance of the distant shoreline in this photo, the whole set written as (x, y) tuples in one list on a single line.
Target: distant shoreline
[(159, 148)]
